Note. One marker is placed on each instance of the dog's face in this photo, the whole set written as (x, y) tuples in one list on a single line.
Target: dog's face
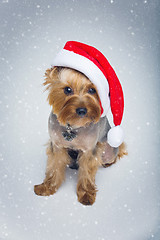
[(73, 97)]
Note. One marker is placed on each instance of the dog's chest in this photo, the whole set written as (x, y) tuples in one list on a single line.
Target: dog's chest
[(81, 138)]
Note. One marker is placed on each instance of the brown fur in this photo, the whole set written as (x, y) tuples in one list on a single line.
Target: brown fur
[(55, 171), (64, 107)]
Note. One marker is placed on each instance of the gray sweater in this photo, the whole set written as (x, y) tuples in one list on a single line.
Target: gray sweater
[(85, 138)]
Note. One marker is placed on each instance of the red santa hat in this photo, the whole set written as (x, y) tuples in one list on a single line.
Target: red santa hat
[(96, 67)]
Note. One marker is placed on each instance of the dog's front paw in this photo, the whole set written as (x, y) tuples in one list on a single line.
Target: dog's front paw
[(44, 190), (86, 197)]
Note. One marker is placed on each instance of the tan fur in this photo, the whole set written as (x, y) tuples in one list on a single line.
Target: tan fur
[(86, 187), (55, 171), (64, 107)]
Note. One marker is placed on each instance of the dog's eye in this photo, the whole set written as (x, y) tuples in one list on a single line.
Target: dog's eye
[(68, 91), (92, 91)]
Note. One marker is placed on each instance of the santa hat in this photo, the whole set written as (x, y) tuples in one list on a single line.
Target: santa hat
[(96, 67)]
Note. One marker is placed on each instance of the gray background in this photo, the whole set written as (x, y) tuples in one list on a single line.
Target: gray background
[(128, 201)]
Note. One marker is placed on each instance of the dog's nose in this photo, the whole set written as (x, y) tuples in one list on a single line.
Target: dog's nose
[(81, 111)]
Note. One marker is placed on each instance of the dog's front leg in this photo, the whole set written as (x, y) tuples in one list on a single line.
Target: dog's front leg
[(55, 171), (86, 188)]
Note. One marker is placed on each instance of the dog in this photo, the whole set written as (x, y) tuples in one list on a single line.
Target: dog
[(78, 134)]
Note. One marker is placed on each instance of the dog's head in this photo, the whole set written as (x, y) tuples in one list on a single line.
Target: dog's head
[(74, 98)]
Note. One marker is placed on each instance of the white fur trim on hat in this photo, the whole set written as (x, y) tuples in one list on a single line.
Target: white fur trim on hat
[(73, 60)]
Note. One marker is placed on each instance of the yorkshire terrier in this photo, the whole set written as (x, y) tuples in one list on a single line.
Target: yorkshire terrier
[(78, 134)]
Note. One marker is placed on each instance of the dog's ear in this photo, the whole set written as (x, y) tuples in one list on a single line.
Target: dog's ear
[(52, 76)]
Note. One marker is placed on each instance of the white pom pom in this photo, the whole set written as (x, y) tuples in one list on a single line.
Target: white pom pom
[(115, 136)]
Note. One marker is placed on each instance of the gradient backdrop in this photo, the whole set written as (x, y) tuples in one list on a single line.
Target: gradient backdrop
[(128, 200)]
